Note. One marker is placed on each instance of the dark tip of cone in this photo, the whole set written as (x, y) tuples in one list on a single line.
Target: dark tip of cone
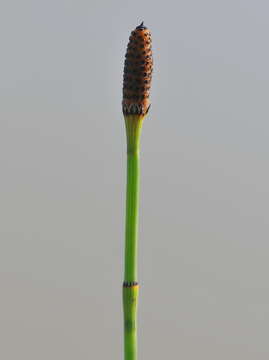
[(141, 26)]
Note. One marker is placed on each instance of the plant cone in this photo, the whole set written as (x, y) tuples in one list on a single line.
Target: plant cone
[(138, 69)]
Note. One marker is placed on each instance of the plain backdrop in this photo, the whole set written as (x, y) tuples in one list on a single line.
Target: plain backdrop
[(203, 245)]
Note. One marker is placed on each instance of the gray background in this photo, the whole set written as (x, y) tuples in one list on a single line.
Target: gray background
[(203, 247)]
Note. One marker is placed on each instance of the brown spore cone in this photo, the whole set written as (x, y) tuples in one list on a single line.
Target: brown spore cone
[(138, 69)]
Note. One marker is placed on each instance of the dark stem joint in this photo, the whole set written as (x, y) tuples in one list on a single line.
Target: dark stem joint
[(127, 284)]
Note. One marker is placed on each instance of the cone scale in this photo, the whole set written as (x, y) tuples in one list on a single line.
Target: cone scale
[(138, 69)]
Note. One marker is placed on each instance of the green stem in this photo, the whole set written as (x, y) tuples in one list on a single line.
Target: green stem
[(130, 297), (130, 286), (131, 225)]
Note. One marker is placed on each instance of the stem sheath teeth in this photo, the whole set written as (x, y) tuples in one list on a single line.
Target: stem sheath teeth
[(130, 283)]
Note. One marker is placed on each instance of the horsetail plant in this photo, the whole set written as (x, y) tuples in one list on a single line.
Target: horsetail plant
[(135, 105)]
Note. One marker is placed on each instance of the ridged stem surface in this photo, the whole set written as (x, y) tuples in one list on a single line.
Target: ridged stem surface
[(130, 285), (132, 208), (130, 298)]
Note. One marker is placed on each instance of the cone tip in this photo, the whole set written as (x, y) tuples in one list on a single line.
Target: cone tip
[(141, 26)]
